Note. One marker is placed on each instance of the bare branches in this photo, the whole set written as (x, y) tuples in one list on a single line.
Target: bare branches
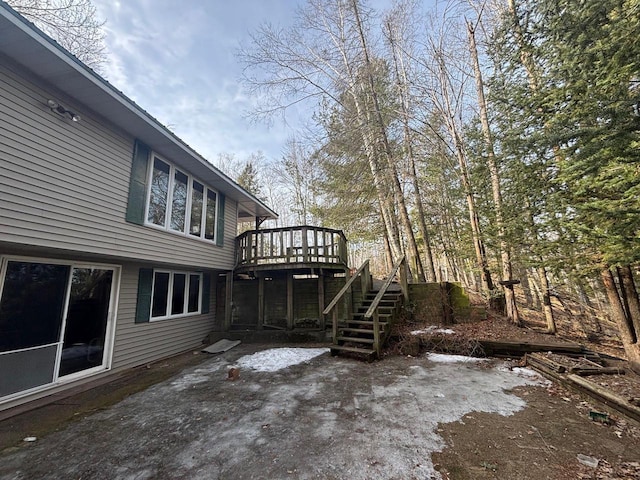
[(72, 23)]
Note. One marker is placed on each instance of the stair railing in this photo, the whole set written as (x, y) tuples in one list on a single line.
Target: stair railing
[(400, 269), (365, 276)]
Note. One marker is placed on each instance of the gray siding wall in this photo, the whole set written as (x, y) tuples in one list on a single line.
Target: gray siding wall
[(64, 185), (139, 343)]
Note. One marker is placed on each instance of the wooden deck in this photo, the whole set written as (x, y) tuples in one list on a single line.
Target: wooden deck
[(302, 247)]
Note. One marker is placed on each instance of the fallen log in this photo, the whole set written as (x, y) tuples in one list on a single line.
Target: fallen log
[(586, 371), (492, 347), (605, 396), (590, 389), (593, 364), (537, 359), (585, 355)]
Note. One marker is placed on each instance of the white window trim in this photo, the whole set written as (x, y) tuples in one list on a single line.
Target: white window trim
[(185, 313), (168, 213)]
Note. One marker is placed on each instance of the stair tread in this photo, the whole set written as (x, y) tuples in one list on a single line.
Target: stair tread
[(356, 340), (367, 351), (366, 322), (385, 307), (357, 330), (390, 301)]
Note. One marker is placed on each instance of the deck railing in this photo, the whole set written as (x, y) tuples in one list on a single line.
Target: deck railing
[(399, 269), (291, 245), (364, 277)]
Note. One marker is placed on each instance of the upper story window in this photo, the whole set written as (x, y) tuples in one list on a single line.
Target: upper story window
[(178, 202)]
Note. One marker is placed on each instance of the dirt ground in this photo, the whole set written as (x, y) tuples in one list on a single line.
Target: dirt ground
[(545, 439), (542, 441)]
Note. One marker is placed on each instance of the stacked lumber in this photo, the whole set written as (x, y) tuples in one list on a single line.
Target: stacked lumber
[(573, 378), (495, 348)]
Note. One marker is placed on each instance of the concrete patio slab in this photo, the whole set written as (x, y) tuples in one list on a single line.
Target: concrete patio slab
[(322, 418)]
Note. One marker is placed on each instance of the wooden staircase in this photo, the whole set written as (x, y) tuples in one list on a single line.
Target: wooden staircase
[(357, 335), (364, 331)]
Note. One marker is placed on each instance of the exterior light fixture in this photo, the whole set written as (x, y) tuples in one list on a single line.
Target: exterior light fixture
[(62, 111)]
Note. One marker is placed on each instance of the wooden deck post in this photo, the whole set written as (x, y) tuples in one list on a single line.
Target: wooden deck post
[(305, 246), (228, 301), (290, 301), (321, 298), (376, 333), (260, 303)]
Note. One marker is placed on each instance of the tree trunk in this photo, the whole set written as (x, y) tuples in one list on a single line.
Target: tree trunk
[(526, 288), (511, 308), (630, 295), (546, 301), (525, 55), (401, 79), (384, 199), (447, 113), (382, 133), (625, 327)]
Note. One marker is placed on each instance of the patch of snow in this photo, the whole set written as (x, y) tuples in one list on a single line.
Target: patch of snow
[(199, 375), (276, 359), (526, 373), (433, 329), (188, 380), (444, 358)]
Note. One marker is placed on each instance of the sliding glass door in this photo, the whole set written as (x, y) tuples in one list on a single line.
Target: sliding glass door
[(55, 320), (85, 326)]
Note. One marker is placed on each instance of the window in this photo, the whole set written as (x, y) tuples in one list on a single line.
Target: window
[(179, 203), (157, 211), (197, 200), (175, 294)]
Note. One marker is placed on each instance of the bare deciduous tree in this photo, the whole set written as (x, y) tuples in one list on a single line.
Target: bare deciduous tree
[(74, 24)]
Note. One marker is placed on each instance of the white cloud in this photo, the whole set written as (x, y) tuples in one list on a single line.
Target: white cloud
[(176, 60)]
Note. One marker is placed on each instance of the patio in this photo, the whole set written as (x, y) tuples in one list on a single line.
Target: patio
[(321, 418)]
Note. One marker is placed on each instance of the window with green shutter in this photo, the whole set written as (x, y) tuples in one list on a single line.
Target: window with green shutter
[(164, 196), (136, 204)]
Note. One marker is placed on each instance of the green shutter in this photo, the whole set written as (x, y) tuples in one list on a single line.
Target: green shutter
[(138, 184), (220, 232), (143, 305), (206, 292)]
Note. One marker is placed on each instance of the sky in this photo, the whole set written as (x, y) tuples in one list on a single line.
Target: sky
[(177, 61)]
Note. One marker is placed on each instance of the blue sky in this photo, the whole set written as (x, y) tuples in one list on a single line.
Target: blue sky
[(177, 61)]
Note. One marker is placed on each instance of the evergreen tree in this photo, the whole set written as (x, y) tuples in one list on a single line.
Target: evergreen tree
[(570, 92)]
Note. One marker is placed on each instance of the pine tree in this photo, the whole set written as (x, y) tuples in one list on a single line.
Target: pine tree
[(579, 112)]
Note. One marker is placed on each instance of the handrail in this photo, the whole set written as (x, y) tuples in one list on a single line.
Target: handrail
[(334, 303), (344, 289), (385, 286), (291, 245)]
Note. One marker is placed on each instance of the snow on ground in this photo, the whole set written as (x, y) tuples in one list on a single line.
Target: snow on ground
[(444, 358), (377, 420), (525, 373), (433, 329), (199, 375), (276, 359)]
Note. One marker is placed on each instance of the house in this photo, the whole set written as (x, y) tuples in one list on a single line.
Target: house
[(114, 234)]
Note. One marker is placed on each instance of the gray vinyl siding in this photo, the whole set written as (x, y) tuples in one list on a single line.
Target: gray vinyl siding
[(64, 185), (140, 343)]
